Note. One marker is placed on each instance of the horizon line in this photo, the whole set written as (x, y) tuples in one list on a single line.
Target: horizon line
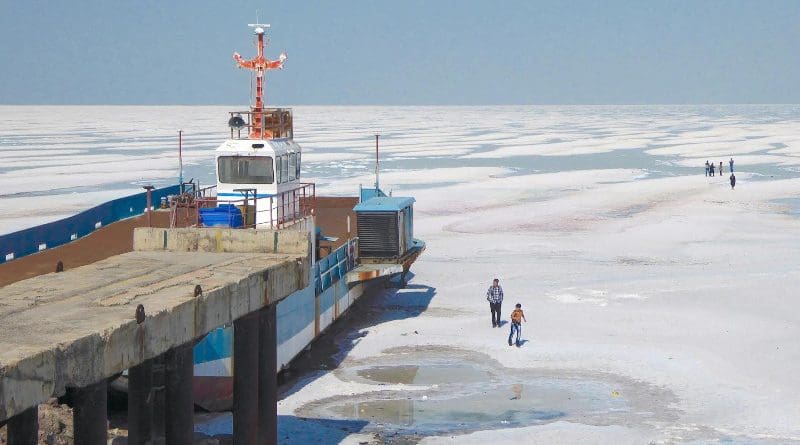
[(399, 105)]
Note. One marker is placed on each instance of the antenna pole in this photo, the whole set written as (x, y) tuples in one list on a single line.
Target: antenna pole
[(259, 65), (377, 163), (180, 157), (258, 115)]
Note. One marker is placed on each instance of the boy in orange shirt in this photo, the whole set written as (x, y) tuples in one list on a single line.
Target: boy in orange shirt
[(516, 323)]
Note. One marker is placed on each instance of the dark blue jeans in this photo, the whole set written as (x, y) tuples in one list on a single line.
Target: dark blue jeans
[(495, 308), (515, 327)]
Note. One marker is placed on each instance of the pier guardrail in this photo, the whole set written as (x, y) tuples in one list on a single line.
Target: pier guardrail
[(35, 239)]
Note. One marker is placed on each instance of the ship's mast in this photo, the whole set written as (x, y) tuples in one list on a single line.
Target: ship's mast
[(259, 64)]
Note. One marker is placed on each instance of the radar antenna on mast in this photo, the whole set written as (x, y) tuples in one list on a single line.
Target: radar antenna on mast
[(259, 27), (258, 23), (259, 65)]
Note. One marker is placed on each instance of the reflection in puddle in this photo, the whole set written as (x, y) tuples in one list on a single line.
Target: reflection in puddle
[(464, 392), (474, 412), (423, 375)]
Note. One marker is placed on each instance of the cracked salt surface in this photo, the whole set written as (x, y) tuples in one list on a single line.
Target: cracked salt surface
[(611, 199)]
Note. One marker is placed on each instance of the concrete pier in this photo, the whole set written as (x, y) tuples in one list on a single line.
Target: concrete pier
[(159, 399), (23, 429), (77, 328), (245, 380), (178, 385), (267, 380), (89, 413), (140, 403)]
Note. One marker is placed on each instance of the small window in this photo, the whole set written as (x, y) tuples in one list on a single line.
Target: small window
[(278, 169), (285, 168), (245, 169), (297, 166), (292, 167)]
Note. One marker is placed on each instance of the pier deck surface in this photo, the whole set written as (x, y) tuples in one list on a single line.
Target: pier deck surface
[(74, 328)]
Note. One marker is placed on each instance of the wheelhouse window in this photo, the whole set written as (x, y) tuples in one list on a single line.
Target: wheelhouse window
[(298, 166), (285, 168), (292, 167), (281, 178), (245, 170)]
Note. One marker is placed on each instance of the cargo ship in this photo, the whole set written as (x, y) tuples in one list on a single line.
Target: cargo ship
[(355, 241)]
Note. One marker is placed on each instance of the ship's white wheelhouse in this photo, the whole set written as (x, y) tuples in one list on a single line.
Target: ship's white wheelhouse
[(264, 171)]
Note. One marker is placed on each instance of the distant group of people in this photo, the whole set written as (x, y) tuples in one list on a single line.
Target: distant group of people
[(710, 170), (495, 298)]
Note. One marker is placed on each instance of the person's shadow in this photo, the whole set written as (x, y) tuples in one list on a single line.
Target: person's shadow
[(503, 323), (522, 343)]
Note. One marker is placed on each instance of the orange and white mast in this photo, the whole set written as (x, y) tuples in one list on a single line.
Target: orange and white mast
[(259, 64)]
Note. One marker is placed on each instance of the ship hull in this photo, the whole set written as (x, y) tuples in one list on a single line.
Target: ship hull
[(301, 318)]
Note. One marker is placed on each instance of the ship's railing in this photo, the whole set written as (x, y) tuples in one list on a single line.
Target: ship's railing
[(335, 266), (291, 205), (276, 123), (273, 212), (193, 188), (183, 206), (46, 236)]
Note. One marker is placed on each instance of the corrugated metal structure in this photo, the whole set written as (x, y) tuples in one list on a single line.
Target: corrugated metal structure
[(378, 234), (385, 226)]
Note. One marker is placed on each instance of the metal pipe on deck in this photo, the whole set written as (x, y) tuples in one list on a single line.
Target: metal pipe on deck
[(23, 429), (179, 403), (89, 414), (245, 379), (140, 404), (268, 376), (148, 210)]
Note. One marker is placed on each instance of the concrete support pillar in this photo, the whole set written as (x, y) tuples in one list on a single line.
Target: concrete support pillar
[(179, 404), (245, 380), (140, 403), (268, 376), (23, 429), (158, 399), (89, 414)]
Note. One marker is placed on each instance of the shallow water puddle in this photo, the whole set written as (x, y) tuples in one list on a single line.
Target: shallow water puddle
[(423, 375), (791, 205), (479, 406), (459, 391)]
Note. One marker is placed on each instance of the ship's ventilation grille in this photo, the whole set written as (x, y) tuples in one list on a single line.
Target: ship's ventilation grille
[(377, 234)]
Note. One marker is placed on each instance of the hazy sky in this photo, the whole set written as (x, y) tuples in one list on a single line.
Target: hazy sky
[(403, 51)]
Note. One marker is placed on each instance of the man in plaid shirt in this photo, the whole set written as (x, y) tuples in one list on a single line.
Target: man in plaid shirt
[(495, 298)]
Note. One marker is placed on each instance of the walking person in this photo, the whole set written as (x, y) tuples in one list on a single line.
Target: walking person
[(731, 165), (712, 169), (733, 181), (707, 170), (495, 298), (720, 168), (516, 324)]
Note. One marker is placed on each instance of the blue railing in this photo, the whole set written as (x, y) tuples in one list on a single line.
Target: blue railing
[(334, 266), (32, 240)]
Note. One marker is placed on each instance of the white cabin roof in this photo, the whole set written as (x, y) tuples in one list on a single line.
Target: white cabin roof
[(257, 147)]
